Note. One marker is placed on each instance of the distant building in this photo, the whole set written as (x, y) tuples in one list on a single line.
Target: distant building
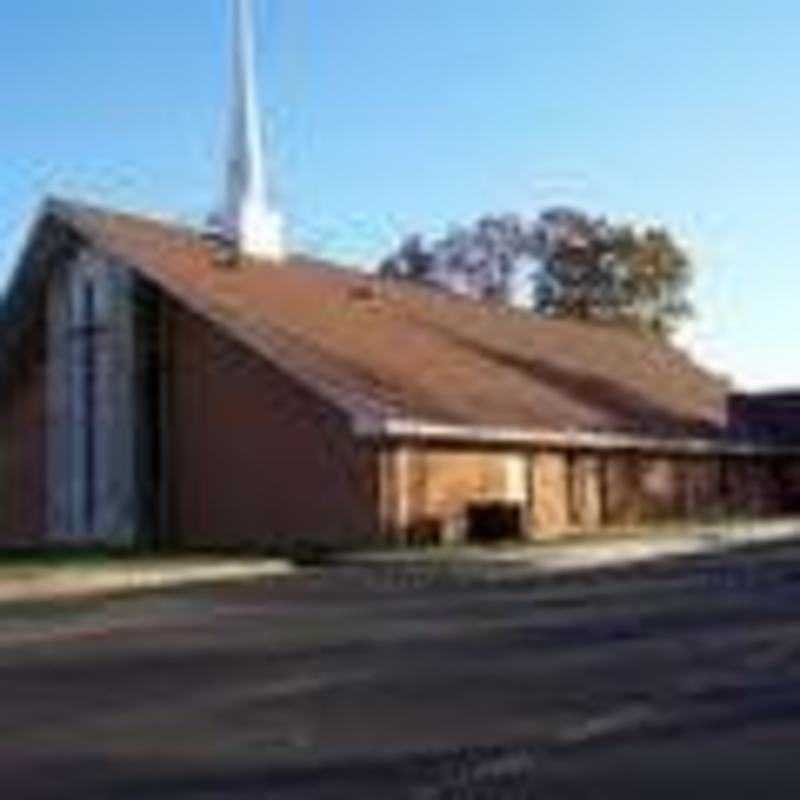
[(766, 416), (162, 386)]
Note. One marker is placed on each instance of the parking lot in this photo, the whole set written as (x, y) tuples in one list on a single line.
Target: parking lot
[(415, 681)]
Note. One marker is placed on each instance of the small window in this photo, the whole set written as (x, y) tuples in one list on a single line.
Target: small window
[(89, 357)]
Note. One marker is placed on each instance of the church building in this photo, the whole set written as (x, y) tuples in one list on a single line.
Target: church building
[(166, 386)]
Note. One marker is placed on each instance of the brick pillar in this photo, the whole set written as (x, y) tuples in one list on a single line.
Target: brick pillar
[(587, 491), (550, 494)]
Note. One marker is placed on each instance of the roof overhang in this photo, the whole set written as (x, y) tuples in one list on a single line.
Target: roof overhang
[(58, 226), (414, 429)]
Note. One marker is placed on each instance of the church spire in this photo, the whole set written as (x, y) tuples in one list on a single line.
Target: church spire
[(248, 219)]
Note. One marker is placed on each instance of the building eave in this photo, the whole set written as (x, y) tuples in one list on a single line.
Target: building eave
[(486, 435)]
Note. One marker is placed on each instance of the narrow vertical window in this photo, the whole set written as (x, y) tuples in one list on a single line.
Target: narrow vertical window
[(89, 405)]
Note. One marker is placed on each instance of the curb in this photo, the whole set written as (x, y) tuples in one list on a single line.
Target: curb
[(70, 582)]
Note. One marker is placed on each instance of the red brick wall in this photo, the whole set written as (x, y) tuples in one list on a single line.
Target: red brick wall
[(22, 452), (588, 492), (254, 457), (551, 494), (430, 488)]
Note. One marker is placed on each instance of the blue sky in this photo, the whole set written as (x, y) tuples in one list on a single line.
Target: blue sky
[(409, 115)]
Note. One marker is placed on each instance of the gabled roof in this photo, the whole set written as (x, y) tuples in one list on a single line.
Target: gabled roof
[(396, 351)]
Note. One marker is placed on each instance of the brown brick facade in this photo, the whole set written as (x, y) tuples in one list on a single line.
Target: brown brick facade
[(253, 457), (587, 498), (551, 492), (429, 490), (22, 451), (572, 492), (232, 451)]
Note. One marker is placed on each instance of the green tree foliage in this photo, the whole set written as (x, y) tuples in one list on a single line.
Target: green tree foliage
[(413, 261), (657, 278), (481, 261), (576, 275), (575, 265)]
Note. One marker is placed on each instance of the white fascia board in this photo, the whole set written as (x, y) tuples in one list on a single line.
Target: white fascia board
[(399, 428)]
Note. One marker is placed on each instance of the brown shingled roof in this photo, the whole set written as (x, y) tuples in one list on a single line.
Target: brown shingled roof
[(402, 350)]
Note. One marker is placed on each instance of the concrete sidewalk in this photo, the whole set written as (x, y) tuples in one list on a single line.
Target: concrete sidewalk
[(44, 582), (51, 582), (609, 550)]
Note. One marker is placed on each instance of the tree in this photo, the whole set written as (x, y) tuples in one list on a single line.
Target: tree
[(657, 276), (484, 260), (591, 269), (411, 261), (577, 276), (481, 261), (579, 266)]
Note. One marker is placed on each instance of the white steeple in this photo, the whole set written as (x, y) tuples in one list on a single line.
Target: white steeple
[(248, 218)]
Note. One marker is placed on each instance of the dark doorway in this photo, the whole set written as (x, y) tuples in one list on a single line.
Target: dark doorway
[(494, 522)]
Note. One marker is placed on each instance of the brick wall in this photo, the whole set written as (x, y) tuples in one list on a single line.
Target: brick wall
[(662, 484), (551, 491), (433, 487), (587, 492), (582, 491), (22, 440), (253, 457)]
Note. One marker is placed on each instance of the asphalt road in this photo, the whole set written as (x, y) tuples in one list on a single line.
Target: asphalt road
[(678, 679)]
